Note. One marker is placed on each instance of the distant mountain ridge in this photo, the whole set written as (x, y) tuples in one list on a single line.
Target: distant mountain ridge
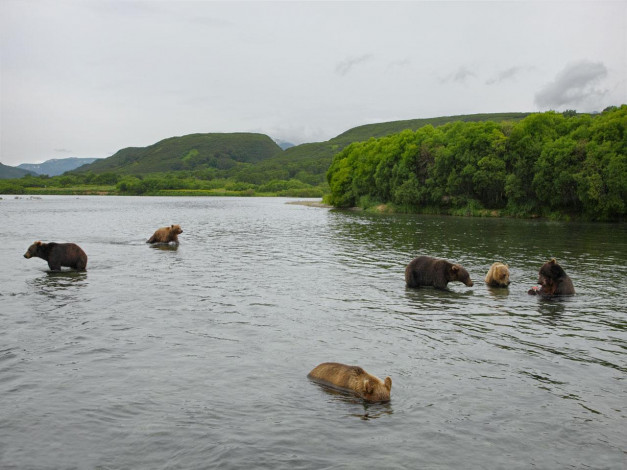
[(10, 172), (56, 166)]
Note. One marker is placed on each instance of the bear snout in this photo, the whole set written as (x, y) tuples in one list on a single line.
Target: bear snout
[(27, 255), (469, 283)]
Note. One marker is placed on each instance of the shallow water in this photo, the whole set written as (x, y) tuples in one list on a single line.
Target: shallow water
[(197, 356)]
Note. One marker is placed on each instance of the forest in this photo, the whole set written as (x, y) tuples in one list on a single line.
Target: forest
[(556, 165)]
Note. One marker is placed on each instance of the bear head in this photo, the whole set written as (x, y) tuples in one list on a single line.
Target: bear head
[(458, 273), (500, 274), (176, 229), (376, 390), (549, 274), (33, 250)]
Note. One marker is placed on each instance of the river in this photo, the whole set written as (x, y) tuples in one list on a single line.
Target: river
[(196, 356)]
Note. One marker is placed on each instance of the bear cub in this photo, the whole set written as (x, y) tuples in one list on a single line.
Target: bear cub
[(59, 254), (428, 271), (498, 275), (166, 235), (553, 281), (352, 379)]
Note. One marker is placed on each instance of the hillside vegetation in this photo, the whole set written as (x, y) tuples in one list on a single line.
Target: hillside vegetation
[(190, 152), (548, 164), (309, 162)]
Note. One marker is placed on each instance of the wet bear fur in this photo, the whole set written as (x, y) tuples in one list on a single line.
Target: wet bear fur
[(166, 235), (428, 271), (498, 275), (59, 254), (352, 379), (553, 281)]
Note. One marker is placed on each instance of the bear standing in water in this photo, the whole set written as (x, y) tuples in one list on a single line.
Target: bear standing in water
[(553, 281), (353, 379), (498, 275), (428, 271), (166, 235), (59, 254)]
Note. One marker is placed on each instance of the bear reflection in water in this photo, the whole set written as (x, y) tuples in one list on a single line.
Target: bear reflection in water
[(352, 379), (165, 246)]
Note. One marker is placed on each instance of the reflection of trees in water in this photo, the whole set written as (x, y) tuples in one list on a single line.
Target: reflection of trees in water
[(533, 240)]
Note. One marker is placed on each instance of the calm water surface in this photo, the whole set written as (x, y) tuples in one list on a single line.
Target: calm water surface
[(197, 357)]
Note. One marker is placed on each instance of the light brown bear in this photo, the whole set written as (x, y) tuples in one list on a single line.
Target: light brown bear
[(352, 379), (166, 235), (498, 275)]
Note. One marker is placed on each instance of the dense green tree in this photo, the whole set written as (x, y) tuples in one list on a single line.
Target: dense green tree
[(546, 164)]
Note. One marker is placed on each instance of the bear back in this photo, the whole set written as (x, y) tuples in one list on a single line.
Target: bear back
[(353, 379)]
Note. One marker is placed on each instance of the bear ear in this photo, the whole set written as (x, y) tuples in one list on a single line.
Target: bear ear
[(455, 268), (388, 383), (368, 388), (553, 261), (172, 226), (37, 243)]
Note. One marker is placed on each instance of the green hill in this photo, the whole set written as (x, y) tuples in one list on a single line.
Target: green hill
[(309, 162), (190, 152), (10, 172)]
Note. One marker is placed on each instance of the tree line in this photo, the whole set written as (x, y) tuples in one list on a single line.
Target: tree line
[(548, 164), (204, 182)]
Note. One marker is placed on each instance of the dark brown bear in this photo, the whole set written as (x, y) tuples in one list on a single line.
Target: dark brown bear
[(428, 271), (59, 254), (553, 281)]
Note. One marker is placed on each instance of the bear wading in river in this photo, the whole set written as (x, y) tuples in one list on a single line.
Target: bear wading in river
[(59, 254), (498, 275), (428, 271), (553, 281), (166, 235), (352, 379)]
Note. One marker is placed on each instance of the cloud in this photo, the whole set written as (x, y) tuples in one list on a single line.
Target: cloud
[(347, 65), (459, 76), (402, 63), (575, 84), (503, 75)]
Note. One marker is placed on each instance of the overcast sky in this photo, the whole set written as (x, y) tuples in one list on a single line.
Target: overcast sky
[(87, 78)]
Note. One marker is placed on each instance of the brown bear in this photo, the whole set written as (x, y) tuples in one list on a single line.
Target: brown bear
[(166, 235), (498, 275), (352, 379), (553, 281), (428, 271), (59, 254)]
